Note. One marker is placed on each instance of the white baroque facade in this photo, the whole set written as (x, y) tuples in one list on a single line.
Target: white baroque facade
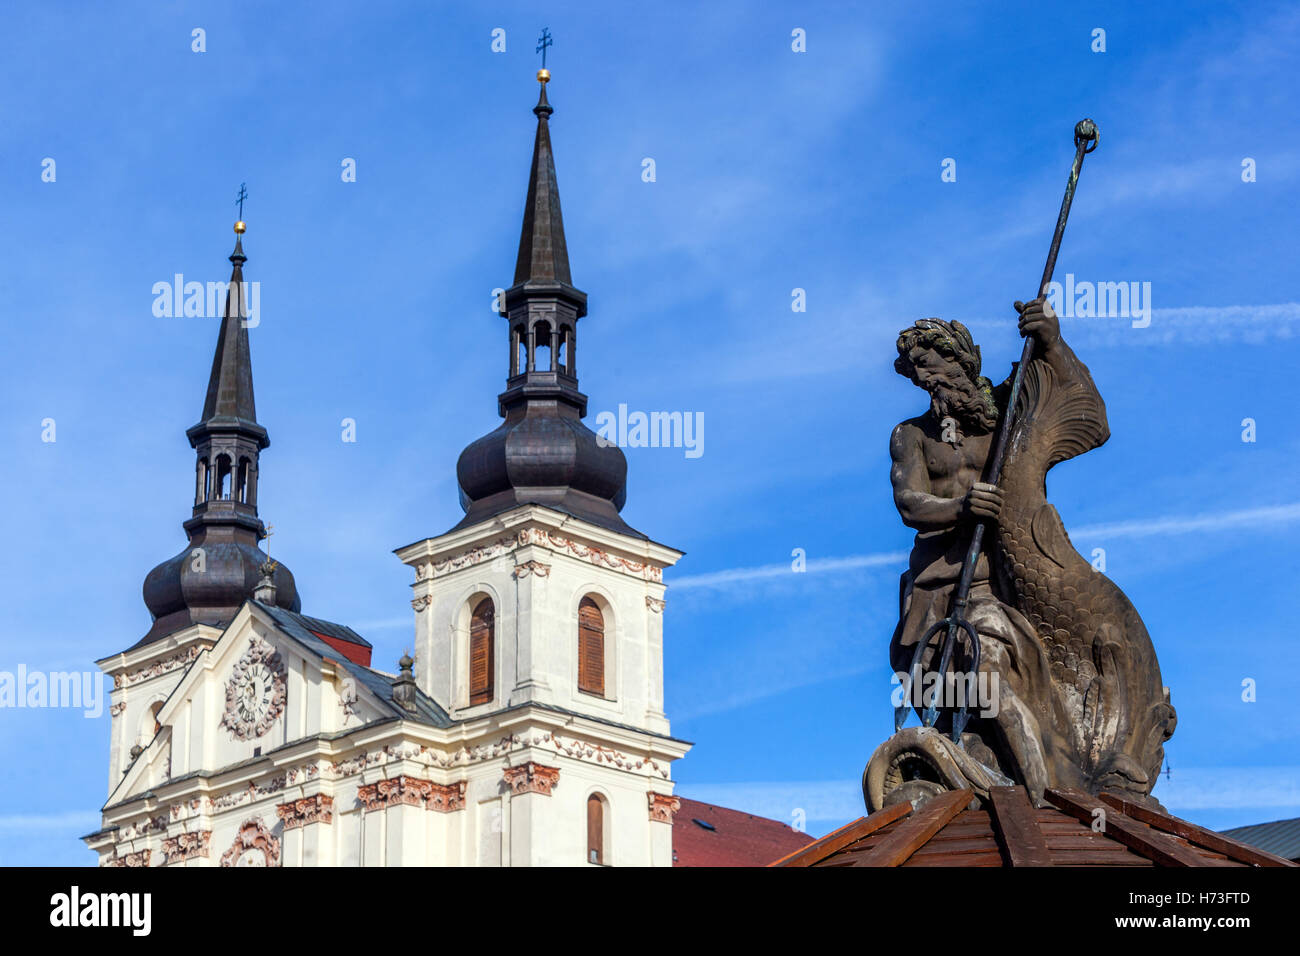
[(274, 748)]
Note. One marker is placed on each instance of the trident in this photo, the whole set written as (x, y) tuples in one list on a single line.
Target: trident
[(1086, 138)]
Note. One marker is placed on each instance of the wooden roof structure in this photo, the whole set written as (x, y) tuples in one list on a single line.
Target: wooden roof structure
[(957, 829)]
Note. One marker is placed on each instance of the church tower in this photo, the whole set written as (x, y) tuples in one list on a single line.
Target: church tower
[(528, 729), (195, 594), (543, 603)]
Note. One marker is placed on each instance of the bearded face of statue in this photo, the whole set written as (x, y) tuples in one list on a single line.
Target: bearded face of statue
[(952, 393)]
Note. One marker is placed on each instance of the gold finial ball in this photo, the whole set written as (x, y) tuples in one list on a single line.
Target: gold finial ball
[(240, 227), (543, 75)]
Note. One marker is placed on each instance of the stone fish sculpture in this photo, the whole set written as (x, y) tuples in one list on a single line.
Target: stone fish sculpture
[(1079, 698)]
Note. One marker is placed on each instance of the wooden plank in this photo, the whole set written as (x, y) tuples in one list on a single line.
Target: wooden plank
[(938, 847), (970, 822), (992, 858), (1018, 825), (1081, 841), (848, 834), (1232, 849), (912, 834), (1092, 858), (1152, 844), (972, 818)]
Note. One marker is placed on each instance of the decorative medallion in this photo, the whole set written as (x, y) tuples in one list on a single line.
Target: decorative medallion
[(662, 807), (255, 692), (254, 846), (531, 778)]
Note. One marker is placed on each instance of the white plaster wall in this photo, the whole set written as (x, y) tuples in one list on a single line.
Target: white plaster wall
[(537, 637)]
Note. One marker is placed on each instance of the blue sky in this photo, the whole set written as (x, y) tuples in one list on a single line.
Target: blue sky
[(775, 170)]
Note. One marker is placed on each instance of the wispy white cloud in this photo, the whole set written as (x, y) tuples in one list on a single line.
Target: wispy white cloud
[(723, 579), (736, 578), (1189, 325), (1189, 524)]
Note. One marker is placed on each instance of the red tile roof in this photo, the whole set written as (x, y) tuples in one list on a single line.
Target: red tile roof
[(737, 839)]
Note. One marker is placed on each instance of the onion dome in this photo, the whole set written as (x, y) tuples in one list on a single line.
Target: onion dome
[(220, 568), (543, 453)]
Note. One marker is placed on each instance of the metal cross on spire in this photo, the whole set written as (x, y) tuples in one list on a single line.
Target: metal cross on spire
[(543, 42), (243, 194)]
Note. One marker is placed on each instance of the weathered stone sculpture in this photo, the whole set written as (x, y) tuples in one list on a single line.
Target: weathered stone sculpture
[(1071, 689)]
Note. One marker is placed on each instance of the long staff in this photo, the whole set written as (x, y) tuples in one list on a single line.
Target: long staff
[(1086, 137)]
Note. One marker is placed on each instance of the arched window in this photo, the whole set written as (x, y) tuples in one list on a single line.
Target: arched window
[(591, 648), (482, 652), (542, 347), (222, 486), (595, 829)]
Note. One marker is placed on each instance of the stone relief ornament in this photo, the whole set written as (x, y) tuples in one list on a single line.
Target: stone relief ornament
[(255, 692), (533, 567), (402, 790), (164, 666), (656, 605), (444, 798), (542, 538), (254, 846), (405, 790), (298, 813), (531, 778), (662, 807), (186, 846)]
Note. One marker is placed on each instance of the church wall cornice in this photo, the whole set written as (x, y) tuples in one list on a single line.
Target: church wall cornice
[(546, 529), (194, 801)]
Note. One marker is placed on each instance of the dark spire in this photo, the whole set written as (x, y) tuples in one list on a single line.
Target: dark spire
[(222, 566), (543, 255), (543, 453), (230, 386)]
